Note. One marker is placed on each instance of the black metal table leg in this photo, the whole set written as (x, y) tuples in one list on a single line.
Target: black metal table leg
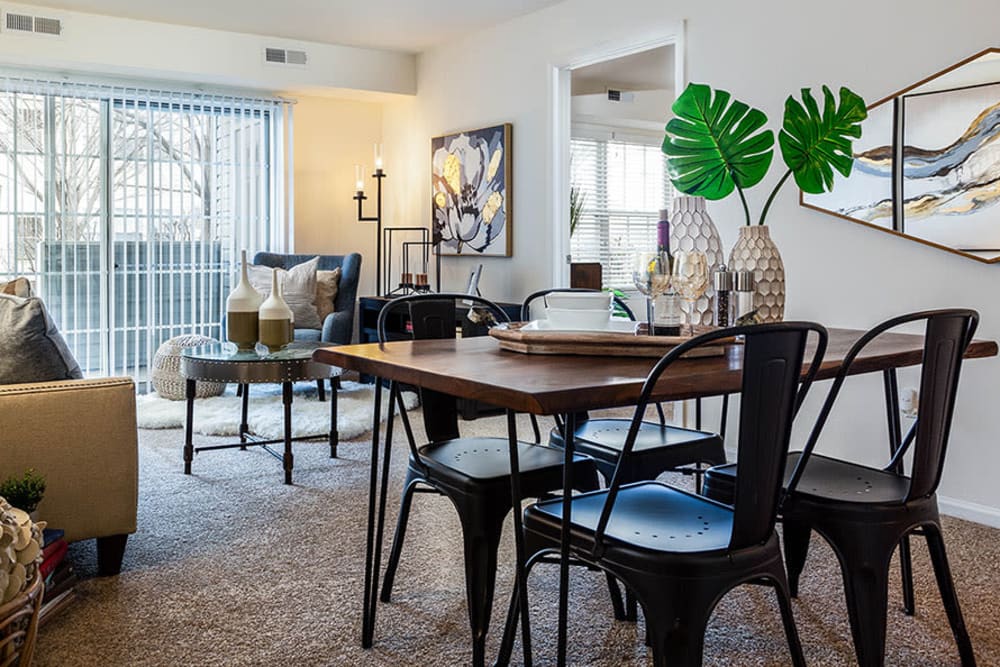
[(383, 494), (520, 558), (244, 392), (368, 606), (189, 391), (334, 431), (286, 399), (569, 429)]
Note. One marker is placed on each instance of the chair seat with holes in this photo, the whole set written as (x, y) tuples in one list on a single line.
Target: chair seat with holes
[(473, 462), (657, 448), (824, 478), (648, 515)]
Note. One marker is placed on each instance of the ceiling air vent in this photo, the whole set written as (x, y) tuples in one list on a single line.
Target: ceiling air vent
[(48, 26), (620, 96), (285, 57), (21, 22), (37, 24)]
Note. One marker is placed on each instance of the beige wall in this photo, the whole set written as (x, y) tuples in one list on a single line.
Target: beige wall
[(331, 136)]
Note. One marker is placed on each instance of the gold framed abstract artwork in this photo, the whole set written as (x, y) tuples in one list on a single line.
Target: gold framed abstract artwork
[(471, 192), (927, 166)]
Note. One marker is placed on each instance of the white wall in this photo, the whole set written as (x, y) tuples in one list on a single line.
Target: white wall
[(126, 47), (838, 273)]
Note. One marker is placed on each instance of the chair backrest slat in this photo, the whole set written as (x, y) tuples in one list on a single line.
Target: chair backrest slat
[(772, 366), (945, 342), (434, 316)]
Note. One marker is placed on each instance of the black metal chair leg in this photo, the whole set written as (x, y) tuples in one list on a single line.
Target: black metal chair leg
[(535, 430), (796, 544), (675, 624), (946, 585), (321, 387), (864, 560), (481, 537), (631, 607), (787, 619), (906, 573), (397, 541)]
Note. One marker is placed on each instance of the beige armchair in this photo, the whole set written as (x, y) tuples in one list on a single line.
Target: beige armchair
[(81, 435)]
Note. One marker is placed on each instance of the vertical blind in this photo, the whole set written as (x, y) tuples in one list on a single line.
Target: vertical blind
[(622, 185), (127, 207)]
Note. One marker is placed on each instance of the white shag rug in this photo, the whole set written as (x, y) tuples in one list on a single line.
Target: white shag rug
[(220, 415)]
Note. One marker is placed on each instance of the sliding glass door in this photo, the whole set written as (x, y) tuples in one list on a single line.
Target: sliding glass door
[(127, 211)]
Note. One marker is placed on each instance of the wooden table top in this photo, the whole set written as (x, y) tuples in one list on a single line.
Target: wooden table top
[(477, 368)]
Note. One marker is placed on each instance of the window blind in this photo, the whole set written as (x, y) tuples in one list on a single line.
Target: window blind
[(127, 207), (621, 185)]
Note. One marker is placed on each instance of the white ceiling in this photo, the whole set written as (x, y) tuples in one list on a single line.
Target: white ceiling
[(647, 70), (401, 25)]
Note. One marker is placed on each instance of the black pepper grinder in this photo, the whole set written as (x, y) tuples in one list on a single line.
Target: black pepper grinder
[(725, 304)]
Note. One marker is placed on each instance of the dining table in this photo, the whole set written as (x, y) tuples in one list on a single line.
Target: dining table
[(564, 386)]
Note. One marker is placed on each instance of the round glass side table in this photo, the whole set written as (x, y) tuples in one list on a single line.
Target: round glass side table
[(222, 362)]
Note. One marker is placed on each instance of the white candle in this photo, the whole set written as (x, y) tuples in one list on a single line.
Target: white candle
[(359, 178), (378, 156)]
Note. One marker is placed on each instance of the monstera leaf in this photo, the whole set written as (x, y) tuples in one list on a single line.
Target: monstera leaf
[(714, 146), (814, 143)]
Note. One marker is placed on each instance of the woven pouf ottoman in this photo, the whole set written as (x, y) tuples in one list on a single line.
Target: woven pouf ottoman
[(166, 376)]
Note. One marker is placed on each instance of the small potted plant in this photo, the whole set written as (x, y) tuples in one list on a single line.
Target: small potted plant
[(24, 492), (716, 145)]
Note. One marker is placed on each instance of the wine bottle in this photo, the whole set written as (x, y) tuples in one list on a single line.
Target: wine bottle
[(666, 306)]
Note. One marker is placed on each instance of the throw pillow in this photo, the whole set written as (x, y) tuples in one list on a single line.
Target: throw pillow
[(31, 347), (298, 286), (17, 287), (327, 286)]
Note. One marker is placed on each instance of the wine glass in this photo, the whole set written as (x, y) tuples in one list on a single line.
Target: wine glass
[(689, 278), (651, 275)]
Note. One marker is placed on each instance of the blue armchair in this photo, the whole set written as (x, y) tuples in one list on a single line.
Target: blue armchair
[(338, 326)]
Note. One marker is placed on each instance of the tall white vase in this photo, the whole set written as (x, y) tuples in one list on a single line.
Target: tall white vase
[(691, 228), (755, 251), (275, 318), (241, 310)]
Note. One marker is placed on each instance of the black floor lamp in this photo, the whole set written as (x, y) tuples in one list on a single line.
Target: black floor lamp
[(359, 195)]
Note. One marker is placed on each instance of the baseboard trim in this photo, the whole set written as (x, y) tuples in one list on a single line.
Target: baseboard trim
[(964, 509)]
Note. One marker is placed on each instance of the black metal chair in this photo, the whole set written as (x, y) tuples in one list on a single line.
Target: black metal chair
[(864, 512), (680, 552), (659, 448), (474, 473)]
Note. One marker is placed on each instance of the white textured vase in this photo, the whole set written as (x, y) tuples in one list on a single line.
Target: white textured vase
[(755, 251), (691, 228)]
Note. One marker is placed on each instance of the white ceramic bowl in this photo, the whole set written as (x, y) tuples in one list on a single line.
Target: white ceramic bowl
[(578, 300), (578, 318)]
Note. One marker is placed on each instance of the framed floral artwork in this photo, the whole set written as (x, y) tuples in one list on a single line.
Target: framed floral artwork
[(471, 192)]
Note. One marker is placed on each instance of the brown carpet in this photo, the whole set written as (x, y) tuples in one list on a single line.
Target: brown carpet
[(231, 567)]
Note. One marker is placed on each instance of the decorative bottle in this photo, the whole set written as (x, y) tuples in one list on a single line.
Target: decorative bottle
[(241, 311), (275, 318), (666, 306)]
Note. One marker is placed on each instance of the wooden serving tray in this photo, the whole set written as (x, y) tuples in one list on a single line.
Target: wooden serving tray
[(519, 337)]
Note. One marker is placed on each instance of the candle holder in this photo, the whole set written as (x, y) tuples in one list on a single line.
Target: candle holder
[(359, 195)]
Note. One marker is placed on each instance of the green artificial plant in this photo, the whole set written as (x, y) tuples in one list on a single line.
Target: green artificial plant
[(24, 492), (715, 144)]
